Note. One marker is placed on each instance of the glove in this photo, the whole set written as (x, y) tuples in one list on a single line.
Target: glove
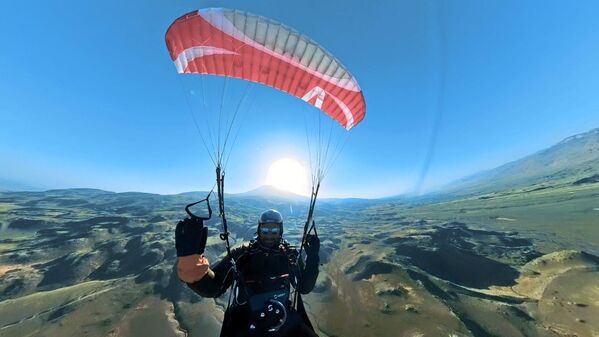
[(190, 236), (312, 245)]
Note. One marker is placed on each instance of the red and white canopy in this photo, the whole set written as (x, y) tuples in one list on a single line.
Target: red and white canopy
[(226, 42)]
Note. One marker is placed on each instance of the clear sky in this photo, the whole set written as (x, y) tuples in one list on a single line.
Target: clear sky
[(90, 98)]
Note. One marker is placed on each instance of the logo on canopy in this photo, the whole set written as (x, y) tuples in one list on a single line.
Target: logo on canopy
[(320, 94)]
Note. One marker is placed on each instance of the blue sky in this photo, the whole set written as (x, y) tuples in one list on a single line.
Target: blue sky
[(90, 98)]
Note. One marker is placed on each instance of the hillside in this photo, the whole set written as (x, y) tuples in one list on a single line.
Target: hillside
[(572, 160)]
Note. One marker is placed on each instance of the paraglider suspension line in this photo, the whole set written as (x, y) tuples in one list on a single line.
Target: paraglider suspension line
[(220, 183), (307, 230)]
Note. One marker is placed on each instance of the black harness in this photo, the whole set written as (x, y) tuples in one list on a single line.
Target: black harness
[(268, 298)]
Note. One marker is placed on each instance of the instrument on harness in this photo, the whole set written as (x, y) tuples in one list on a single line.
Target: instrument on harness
[(268, 298), (269, 309)]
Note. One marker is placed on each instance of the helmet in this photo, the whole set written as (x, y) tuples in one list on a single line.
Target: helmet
[(270, 216)]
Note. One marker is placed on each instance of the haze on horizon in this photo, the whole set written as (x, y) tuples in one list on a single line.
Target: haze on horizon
[(468, 85)]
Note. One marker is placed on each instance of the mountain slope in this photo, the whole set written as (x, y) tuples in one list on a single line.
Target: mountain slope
[(573, 159)]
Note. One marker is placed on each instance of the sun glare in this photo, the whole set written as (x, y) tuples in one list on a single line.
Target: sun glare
[(289, 175)]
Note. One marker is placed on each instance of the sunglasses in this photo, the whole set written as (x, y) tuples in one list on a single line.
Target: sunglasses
[(274, 230)]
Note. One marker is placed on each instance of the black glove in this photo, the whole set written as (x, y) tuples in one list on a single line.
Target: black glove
[(190, 236), (312, 245)]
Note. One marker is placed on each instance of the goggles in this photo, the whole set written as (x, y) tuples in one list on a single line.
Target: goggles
[(265, 230)]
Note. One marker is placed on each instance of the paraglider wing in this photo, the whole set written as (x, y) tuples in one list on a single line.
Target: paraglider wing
[(232, 43)]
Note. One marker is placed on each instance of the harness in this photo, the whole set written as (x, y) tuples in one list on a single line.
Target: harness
[(268, 298)]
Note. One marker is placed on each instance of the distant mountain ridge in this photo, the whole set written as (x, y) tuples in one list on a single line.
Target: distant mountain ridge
[(268, 191), (572, 159), (7, 185)]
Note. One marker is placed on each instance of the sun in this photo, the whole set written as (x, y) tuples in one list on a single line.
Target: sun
[(288, 174)]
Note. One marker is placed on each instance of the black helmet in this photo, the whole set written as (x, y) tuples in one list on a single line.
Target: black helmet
[(270, 216)]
